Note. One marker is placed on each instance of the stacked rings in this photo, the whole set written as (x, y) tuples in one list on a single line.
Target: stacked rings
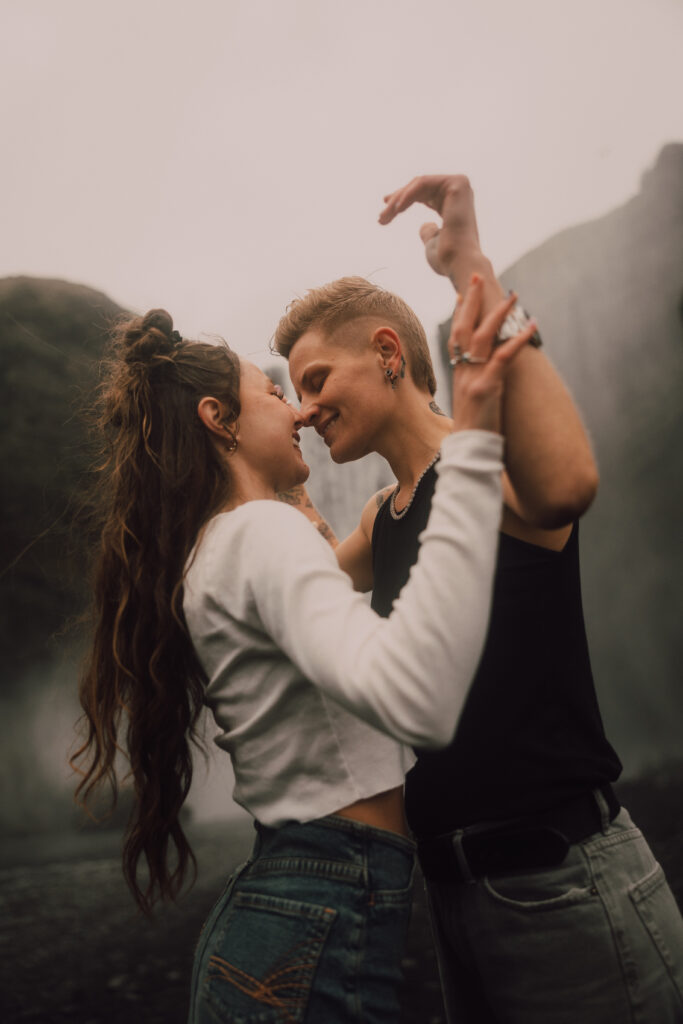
[(464, 357)]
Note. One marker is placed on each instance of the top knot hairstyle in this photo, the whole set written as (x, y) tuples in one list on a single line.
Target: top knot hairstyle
[(149, 337), (159, 478)]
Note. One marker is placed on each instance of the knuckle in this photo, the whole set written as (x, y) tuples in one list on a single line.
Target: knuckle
[(458, 183)]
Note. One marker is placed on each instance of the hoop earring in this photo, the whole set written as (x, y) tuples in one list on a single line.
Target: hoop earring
[(232, 447)]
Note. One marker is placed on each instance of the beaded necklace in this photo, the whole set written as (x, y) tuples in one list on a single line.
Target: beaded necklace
[(392, 499)]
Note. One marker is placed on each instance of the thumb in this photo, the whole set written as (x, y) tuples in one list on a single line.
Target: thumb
[(429, 231)]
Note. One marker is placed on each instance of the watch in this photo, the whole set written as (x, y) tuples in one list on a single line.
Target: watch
[(516, 320)]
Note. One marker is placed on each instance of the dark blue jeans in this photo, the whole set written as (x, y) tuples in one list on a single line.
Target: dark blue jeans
[(312, 928)]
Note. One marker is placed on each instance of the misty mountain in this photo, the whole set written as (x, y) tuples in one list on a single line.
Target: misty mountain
[(52, 339), (609, 299)]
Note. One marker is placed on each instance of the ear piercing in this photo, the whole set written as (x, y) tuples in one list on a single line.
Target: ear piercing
[(393, 377)]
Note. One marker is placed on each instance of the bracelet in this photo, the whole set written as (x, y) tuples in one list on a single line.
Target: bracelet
[(516, 320)]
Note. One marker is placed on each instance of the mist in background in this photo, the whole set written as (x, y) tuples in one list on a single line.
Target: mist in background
[(219, 158)]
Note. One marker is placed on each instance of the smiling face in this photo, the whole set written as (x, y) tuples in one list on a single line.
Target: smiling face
[(267, 436), (342, 390)]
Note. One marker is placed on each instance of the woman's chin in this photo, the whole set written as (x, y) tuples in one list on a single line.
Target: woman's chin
[(298, 476)]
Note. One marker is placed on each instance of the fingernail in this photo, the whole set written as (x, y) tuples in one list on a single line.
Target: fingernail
[(475, 279)]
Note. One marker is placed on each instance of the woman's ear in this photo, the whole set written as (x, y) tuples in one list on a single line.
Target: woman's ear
[(387, 345), (210, 412)]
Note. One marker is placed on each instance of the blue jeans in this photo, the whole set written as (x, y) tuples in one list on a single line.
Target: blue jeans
[(596, 940), (312, 928)]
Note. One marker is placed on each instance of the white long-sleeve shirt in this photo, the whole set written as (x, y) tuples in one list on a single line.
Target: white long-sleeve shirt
[(310, 688)]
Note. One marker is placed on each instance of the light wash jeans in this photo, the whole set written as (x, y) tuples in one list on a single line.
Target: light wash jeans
[(311, 929), (595, 940)]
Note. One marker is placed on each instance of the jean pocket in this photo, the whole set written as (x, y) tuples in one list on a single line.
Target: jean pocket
[(262, 958), (552, 889), (661, 917)]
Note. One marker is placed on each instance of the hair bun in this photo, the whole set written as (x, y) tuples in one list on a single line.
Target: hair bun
[(158, 319), (148, 336)]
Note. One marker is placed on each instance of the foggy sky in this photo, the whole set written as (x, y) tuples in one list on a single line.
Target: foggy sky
[(217, 158)]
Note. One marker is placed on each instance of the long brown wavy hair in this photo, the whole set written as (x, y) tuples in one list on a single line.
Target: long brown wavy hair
[(159, 478)]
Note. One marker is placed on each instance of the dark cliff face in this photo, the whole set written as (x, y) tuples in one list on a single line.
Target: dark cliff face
[(608, 298), (52, 336)]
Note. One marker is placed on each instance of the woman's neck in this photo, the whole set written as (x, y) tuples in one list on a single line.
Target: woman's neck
[(246, 485), (412, 438)]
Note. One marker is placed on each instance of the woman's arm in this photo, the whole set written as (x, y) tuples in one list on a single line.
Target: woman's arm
[(552, 473), (407, 675)]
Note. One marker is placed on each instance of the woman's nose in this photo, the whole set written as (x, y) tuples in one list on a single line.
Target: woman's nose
[(308, 411)]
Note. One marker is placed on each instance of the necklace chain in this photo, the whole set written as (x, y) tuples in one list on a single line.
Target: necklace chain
[(392, 499)]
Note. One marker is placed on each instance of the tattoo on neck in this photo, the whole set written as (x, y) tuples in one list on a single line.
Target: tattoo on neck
[(295, 496), (435, 408)]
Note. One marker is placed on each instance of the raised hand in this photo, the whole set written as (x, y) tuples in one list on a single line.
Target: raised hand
[(451, 196), (479, 365)]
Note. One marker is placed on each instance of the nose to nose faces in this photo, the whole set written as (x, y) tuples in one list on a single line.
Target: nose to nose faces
[(298, 420), (307, 412)]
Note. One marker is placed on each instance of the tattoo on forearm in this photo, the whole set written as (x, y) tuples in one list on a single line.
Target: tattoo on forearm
[(435, 408)]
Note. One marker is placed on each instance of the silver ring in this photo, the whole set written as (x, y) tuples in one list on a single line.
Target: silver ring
[(464, 357)]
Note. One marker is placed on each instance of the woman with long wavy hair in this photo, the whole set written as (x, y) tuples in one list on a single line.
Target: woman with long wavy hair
[(206, 590)]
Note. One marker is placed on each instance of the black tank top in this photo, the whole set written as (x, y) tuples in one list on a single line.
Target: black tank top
[(530, 734)]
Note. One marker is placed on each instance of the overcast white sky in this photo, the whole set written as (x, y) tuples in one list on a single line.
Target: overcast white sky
[(218, 156)]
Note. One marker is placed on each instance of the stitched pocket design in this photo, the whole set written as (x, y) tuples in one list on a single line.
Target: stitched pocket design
[(263, 962)]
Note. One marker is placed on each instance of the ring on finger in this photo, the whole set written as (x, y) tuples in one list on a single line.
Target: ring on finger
[(464, 357)]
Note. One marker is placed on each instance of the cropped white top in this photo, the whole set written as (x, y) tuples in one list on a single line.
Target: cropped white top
[(310, 689)]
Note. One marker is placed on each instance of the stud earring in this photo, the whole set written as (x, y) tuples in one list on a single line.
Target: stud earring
[(391, 377)]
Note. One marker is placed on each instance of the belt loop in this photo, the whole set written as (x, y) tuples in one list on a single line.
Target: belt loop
[(456, 842), (603, 807)]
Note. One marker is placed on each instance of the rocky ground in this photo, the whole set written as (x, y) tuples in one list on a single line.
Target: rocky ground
[(73, 950)]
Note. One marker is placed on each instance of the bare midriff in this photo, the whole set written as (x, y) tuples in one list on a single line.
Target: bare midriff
[(384, 810)]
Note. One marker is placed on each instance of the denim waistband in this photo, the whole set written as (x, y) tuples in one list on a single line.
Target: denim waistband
[(334, 846)]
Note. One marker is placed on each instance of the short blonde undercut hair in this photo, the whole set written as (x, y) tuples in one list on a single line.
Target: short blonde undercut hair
[(337, 304)]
